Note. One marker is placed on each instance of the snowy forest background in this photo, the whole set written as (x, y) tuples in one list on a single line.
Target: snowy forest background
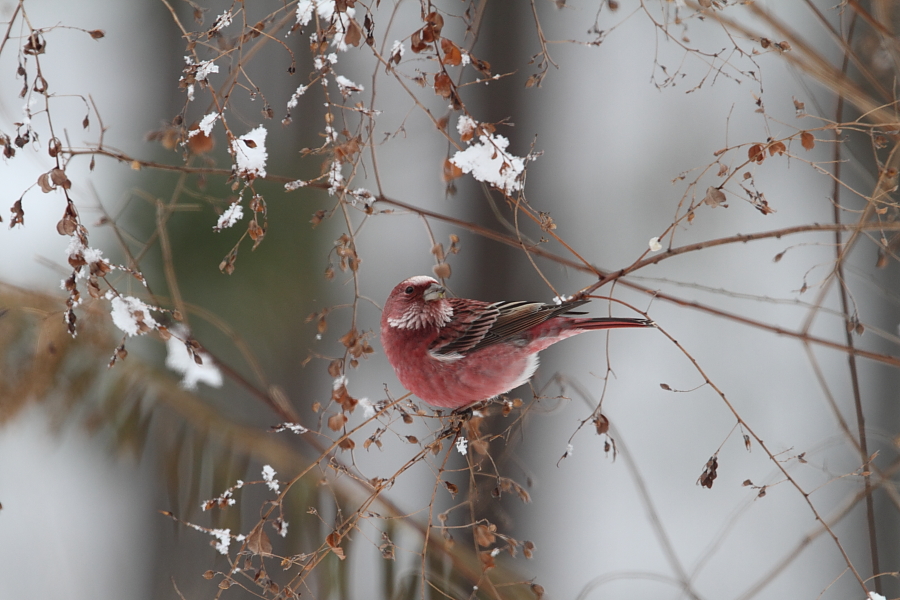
[(217, 197)]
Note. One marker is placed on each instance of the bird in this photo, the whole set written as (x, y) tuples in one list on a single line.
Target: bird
[(454, 352)]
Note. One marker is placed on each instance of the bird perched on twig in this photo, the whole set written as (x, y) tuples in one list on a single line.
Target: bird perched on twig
[(452, 352)]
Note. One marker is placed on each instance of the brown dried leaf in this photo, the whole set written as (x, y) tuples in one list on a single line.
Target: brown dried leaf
[(450, 170), (333, 540), (200, 143), (66, 226), (335, 366), (484, 534), (442, 85), (18, 217), (436, 21), (452, 488), (353, 36), (58, 177), (807, 140), (777, 148), (483, 66), (710, 472), (341, 396), (45, 184), (714, 197), (349, 338), (416, 44), (336, 421), (53, 147), (756, 153), (258, 542), (94, 288), (602, 424), (452, 55), (255, 232), (35, 45), (441, 270)]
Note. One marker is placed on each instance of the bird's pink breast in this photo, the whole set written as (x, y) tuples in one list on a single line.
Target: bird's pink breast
[(456, 383)]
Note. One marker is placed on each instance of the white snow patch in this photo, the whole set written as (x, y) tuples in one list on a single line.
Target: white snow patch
[(232, 215), (128, 312), (295, 97), (206, 125), (346, 86), (222, 21), (224, 537), (325, 9), (179, 359), (250, 154), (368, 408), (268, 474)]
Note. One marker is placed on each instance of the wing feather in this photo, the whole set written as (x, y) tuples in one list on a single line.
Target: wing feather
[(470, 322), (476, 325)]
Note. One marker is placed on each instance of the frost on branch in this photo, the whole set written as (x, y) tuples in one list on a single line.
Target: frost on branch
[(397, 51), (486, 157), (295, 97), (250, 154), (224, 539), (232, 215), (206, 124), (347, 31), (222, 21), (268, 474), (346, 86), (131, 315), (80, 255), (196, 72)]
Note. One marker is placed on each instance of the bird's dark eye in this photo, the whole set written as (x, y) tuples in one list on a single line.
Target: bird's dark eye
[(409, 289)]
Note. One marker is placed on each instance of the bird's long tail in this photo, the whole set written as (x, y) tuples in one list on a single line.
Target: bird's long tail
[(611, 323)]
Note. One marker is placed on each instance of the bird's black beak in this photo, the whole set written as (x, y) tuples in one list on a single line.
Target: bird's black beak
[(434, 292)]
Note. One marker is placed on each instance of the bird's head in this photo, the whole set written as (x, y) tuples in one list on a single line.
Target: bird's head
[(417, 302)]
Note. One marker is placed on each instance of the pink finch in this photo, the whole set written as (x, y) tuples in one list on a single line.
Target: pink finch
[(451, 352)]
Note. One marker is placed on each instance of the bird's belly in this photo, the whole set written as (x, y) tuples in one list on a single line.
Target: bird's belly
[(477, 376)]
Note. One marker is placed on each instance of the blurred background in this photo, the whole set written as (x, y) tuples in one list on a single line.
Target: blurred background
[(634, 102)]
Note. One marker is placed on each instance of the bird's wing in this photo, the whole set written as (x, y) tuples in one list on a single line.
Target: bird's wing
[(476, 325), (471, 321)]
